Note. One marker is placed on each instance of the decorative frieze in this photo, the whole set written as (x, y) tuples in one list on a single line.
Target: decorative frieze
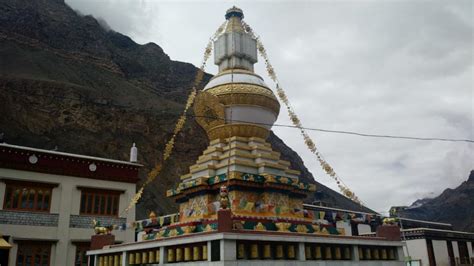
[(85, 221), (28, 218)]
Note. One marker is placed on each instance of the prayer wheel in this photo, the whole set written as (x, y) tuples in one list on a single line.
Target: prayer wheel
[(101, 261), (307, 252), (391, 254), (267, 251), (179, 254), (111, 260), (151, 256), (383, 254), (317, 253), (106, 261), (131, 259), (144, 257), (361, 253), (187, 254), (157, 256), (196, 253), (375, 254), (116, 260), (291, 252), (347, 253), (120, 259), (279, 252), (171, 255), (337, 253), (254, 254), (138, 258), (240, 251), (204, 252), (367, 255), (327, 253)]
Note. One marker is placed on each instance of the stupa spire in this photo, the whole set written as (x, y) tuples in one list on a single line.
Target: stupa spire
[(234, 15), (235, 49)]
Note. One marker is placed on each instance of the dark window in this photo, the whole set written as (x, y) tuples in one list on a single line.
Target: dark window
[(27, 196), (215, 250), (463, 252), (81, 258), (33, 254), (431, 255), (99, 202)]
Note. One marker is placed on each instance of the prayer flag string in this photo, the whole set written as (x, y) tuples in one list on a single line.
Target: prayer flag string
[(297, 122), (180, 123)]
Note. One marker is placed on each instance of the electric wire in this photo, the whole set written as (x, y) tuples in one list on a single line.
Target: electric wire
[(349, 132)]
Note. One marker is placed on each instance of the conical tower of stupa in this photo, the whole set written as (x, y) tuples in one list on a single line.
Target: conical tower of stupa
[(237, 110)]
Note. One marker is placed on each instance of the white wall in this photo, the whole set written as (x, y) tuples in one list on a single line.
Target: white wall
[(440, 250), (418, 250), (364, 228), (455, 249), (346, 226), (65, 201)]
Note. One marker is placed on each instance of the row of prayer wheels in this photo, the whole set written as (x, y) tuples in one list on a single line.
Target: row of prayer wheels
[(265, 250), (144, 257), (377, 253), (327, 252), (187, 253), (110, 260)]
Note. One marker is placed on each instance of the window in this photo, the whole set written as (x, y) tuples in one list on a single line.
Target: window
[(33, 253), (99, 202), (81, 258), (27, 196)]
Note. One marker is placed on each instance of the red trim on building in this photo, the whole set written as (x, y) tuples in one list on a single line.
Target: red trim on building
[(60, 164)]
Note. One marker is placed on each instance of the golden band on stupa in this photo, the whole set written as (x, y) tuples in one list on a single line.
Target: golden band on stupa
[(237, 110)]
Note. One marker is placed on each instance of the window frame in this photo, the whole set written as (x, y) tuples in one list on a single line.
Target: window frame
[(27, 186), (33, 246), (103, 199), (82, 248)]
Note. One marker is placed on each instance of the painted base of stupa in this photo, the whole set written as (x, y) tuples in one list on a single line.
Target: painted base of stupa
[(263, 192)]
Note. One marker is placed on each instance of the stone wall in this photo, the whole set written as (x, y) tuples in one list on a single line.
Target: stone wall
[(84, 221), (28, 218)]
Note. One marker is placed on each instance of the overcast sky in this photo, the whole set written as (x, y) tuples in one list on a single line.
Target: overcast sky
[(393, 67)]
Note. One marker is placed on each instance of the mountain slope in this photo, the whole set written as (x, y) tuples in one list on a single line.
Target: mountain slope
[(67, 82), (455, 206)]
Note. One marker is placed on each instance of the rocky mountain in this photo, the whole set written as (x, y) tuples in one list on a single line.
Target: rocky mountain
[(67, 82), (454, 206)]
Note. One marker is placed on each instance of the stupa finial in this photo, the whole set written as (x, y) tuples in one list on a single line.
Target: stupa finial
[(234, 12)]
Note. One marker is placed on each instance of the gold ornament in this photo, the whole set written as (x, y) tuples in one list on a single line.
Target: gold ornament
[(301, 228), (241, 130), (246, 88), (208, 110), (260, 227), (283, 227)]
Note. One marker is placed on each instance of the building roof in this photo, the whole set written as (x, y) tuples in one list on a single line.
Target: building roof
[(69, 154), (62, 163), (316, 207), (416, 233), (425, 222)]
